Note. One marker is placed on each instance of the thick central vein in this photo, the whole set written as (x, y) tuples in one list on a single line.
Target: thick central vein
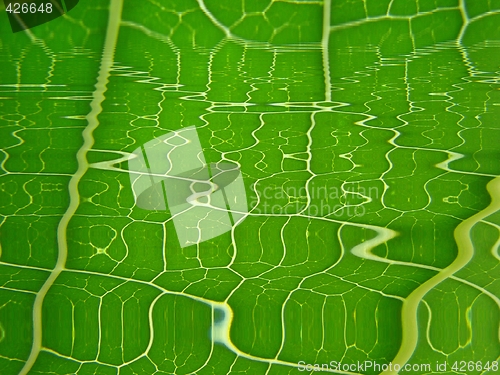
[(465, 253), (115, 9)]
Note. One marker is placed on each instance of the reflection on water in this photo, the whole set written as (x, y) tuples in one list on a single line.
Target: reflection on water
[(400, 250)]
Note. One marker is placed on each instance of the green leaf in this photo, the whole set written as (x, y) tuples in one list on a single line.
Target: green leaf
[(366, 135)]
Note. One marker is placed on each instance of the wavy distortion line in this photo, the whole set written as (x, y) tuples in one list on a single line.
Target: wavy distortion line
[(115, 9)]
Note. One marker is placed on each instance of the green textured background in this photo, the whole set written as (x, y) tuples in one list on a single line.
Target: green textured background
[(360, 95)]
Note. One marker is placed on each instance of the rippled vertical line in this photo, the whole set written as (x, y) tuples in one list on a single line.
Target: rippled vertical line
[(115, 9)]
